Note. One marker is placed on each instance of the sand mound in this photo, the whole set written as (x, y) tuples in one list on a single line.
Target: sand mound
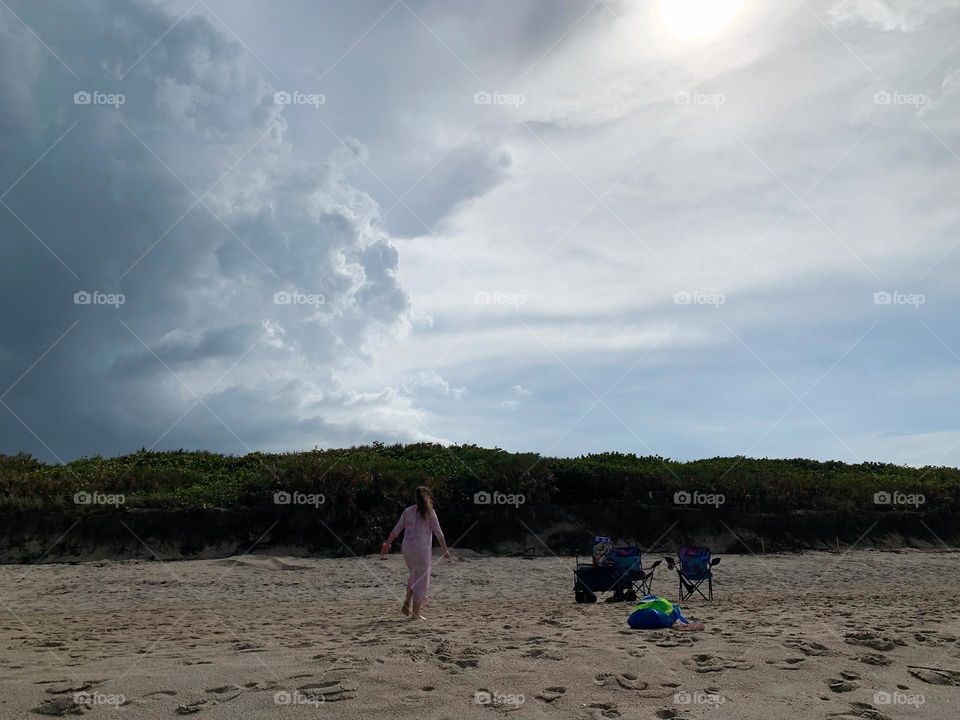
[(263, 562)]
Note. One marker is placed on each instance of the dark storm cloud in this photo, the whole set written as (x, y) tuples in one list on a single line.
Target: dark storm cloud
[(179, 351), (183, 200)]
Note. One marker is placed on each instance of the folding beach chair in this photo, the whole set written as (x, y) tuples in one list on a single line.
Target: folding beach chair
[(629, 561), (694, 567)]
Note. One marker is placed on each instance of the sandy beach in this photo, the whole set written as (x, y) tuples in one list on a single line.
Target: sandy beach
[(805, 636)]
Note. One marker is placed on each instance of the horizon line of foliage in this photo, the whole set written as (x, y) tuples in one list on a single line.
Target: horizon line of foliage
[(361, 478)]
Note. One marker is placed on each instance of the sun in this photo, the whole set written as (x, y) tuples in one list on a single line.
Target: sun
[(697, 18)]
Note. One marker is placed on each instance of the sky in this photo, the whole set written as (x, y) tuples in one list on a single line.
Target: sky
[(682, 228)]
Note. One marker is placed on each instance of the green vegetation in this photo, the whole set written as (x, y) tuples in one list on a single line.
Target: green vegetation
[(377, 479)]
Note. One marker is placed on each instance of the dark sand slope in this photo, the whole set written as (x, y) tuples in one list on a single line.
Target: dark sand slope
[(866, 635)]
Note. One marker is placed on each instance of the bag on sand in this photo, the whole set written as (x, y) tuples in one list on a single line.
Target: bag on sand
[(655, 613)]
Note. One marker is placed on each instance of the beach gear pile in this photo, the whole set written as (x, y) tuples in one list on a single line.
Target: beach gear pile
[(654, 613)]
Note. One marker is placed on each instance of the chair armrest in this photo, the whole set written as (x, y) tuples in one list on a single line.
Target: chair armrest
[(654, 566), (670, 562), (714, 561)]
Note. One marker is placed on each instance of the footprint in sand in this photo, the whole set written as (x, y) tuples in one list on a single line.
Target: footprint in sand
[(706, 663), (845, 683), (419, 697), (225, 693), (877, 659), (667, 689), (932, 638), (714, 692), (807, 647), (791, 663), (936, 676), (630, 681), (330, 690), (247, 646), (64, 688), (872, 640), (151, 697), (605, 709), (336, 662), (860, 710), (454, 658), (627, 681), (192, 707), (668, 714), (60, 707), (551, 694), (544, 654)]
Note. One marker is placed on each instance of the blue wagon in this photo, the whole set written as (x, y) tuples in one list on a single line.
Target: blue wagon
[(621, 573)]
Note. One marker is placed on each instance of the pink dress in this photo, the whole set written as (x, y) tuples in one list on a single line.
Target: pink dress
[(418, 535)]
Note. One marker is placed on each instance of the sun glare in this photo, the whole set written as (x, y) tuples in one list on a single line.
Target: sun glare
[(697, 18)]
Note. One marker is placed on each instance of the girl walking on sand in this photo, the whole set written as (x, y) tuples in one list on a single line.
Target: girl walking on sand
[(419, 524)]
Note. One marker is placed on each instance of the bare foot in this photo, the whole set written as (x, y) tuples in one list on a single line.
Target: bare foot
[(405, 609), (416, 616)]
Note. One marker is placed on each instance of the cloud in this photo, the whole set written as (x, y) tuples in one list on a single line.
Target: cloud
[(886, 16), (188, 200), (432, 380), (794, 199), (256, 244), (462, 173)]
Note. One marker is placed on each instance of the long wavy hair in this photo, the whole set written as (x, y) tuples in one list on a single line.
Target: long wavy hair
[(424, 500)]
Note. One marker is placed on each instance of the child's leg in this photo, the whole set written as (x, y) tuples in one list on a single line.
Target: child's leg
[(421, 584)]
